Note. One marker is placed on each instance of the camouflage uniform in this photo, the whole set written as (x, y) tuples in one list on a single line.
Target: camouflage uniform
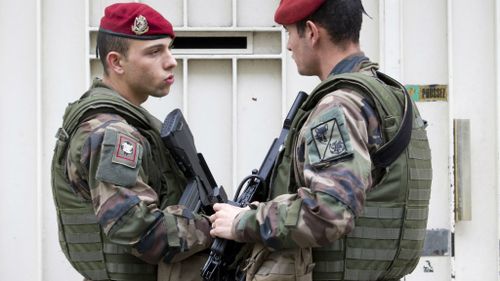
[(329, 195), (350, 189), (107, 166), (332, 172)]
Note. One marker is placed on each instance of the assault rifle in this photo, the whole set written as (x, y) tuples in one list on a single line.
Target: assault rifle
[(223, 252), (201, 191)]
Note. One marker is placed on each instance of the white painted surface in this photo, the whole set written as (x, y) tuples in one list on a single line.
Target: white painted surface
[(63, 80), (474, 98), (19, 238), (210, 111), (422, 28), (259, 114), (370, 35), (432, 268)]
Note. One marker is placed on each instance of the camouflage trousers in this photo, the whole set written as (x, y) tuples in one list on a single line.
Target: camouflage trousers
[(284, 265), (185, 270)]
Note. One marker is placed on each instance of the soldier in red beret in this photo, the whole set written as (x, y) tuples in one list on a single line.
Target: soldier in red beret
[(115, 185), (350, 191)]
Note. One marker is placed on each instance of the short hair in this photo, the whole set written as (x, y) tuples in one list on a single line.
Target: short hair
[(108, 43), (341, 18)]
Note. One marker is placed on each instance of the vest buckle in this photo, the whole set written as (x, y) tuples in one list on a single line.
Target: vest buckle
[(62, 135)]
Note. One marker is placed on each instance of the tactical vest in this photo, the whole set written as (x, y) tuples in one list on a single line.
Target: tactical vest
[(388, 238), (81, 237)]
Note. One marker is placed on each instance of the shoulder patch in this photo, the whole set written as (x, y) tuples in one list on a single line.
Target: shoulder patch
[(120, 159), (328, 139), (125, 152)]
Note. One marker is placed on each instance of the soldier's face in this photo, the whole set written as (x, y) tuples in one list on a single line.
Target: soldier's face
[(148, 67), (301, 51)]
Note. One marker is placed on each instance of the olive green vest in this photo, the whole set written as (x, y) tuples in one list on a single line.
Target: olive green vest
[(81, 237), (388, 238)]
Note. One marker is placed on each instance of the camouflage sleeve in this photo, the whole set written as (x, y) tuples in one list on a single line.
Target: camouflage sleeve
[(105, 158), (333, 168)]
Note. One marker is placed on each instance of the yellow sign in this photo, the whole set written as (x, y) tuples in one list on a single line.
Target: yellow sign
[(428, 92)]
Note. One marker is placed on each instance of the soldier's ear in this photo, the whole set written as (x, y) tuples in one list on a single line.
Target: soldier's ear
[(312, 31), (115, 62)]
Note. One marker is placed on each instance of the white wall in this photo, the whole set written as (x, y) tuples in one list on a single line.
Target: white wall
[(474, 97), (43, 67), (19, 209), (424, 52), (63, 80)]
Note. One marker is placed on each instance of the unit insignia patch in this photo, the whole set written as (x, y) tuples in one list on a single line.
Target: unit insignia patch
[(125, 151), (328, 140)]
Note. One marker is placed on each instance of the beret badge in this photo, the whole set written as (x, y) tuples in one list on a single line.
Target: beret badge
[(140, 25)]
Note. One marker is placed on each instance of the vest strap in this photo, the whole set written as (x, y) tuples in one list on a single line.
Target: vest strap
[(391, 150), (115, 249), (419, 184), (414, 234), (420, 194), (72, 219), (421, 174), (382, 213), (375, 233), (86, 256), (419, 135), (417, 214), (96, 275), (130, 268), (371, 254), (75, 238), (62, 135), (409, 254), (419, 153), (362, 275)]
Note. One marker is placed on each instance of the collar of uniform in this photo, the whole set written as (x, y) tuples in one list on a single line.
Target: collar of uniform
[(154, 122), (98, 83), (351, 63)]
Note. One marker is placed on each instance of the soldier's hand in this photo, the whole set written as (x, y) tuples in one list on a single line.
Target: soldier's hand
[(222, 220)]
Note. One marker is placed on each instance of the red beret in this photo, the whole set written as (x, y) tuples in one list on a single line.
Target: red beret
[(135, 20), (292, 11)]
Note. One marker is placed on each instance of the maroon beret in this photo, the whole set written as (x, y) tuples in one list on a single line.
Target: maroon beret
[(135, 20), (292, 11)]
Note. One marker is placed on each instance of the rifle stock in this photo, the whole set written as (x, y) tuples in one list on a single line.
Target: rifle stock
[(201, 191), (223, 252)]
